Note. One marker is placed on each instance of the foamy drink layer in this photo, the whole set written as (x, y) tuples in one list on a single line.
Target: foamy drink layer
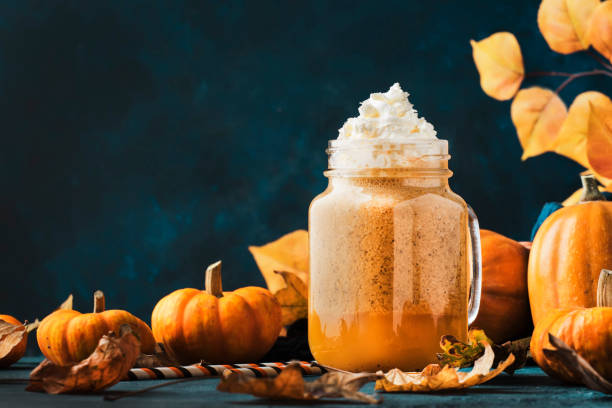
[(388, 133)]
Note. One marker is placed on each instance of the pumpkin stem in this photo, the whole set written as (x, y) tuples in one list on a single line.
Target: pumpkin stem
[(590, 191), (213, 280), (98, 301), (604, 288)]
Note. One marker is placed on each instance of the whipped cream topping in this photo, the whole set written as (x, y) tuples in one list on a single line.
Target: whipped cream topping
[(388, 133), (388, 115)]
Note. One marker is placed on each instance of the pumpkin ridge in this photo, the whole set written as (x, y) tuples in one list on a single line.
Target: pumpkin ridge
[(196, 317), (57, 344), (178, 333), (255, 315), (221, 344)]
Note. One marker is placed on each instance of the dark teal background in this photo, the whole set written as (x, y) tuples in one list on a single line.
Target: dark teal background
[(142, 140)]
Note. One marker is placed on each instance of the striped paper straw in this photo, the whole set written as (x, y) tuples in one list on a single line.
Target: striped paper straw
[(208, 370)]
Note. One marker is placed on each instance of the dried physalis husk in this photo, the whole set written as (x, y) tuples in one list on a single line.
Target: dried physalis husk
[(106, 366), (13, 341), (436, 378)]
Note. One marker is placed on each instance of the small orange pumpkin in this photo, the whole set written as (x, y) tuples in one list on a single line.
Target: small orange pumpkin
[(19, 350), (216, 326), (569, 250), (587, 330), (504, 305), (66, 336)]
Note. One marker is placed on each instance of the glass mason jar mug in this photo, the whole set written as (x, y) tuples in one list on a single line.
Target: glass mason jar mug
[(394, 257)]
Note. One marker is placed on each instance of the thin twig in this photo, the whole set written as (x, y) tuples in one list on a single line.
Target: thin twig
[(582, 74), (548, 73), (108, 397), (597, 58)]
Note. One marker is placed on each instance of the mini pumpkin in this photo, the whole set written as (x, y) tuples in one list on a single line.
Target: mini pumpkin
[(67, 336), (504, 305), (587, 330), (569, 251), (19, 350), (216, 326)]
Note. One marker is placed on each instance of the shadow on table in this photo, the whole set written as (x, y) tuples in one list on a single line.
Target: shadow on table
[(272, 402)]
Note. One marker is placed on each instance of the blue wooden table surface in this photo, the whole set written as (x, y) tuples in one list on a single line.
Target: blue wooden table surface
[(528, 387)]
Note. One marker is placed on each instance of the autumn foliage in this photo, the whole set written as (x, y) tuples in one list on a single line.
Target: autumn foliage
[(543, 123)]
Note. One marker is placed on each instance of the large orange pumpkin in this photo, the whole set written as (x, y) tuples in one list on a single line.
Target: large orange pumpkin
[(215, 326), (504, 305), (67, 336), (569, 250), (19, 350)]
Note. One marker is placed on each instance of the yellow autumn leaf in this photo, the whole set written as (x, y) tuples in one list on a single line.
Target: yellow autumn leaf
[(599, 142), (288, 253), (293, 299), (499, 62), (572, 139), (564, 24), (537, 114), (600, 29)]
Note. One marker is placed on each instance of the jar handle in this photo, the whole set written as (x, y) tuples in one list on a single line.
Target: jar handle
[(476, 286)]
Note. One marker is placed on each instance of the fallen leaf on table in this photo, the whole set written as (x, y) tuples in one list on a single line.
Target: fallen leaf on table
[(158, 359), (537, 114), (293, 298), (12, 344), (458, 354), (564, 24), (565, 356), (290, 385), (106, 366), (600, 30), (499, 63), (436, 378), (288, 253)]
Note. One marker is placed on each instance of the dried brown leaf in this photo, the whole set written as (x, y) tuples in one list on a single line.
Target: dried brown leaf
[(106, 366), (293, 298), (520, 350), (290, 385), (567, 357), (434, 378), (11, 336), (158, 359)]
